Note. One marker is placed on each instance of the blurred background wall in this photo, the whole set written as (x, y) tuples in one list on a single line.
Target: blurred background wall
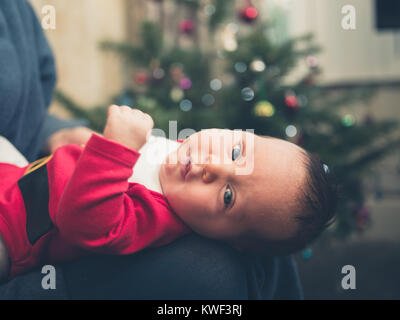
[(349, 58), (84, 72), (361, 55)]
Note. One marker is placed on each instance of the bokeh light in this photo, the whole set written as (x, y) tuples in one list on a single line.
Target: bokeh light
[(348, 120), (247, 94), (291, 131), (216, 84), (176, 94), (208, 99), (186, 105), (240, 67), (264, 109), (257, 65)]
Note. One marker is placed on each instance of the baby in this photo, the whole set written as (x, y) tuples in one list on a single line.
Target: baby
[(259, 194)]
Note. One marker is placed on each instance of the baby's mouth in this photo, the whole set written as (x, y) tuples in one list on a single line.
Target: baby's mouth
[(186, 165)]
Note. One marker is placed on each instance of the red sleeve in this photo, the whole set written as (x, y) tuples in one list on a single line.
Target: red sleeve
[(100, 211)]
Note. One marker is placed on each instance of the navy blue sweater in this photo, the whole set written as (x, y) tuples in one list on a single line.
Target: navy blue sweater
[(27, 79)]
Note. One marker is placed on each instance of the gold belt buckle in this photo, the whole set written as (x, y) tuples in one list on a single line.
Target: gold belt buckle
[(37, 164)]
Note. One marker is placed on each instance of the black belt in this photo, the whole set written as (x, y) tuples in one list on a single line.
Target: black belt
[(34, 187)]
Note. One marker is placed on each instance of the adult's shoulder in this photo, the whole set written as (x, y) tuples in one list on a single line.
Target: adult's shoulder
[(191, 267)]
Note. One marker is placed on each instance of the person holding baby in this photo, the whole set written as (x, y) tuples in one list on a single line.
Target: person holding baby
[(175, 256)]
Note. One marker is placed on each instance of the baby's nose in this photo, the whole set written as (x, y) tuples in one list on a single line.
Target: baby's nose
[(213, 171), (208, 175)]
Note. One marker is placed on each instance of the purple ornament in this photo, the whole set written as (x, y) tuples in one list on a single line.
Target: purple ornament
[(185, 83), (312, 61), (362, 217)]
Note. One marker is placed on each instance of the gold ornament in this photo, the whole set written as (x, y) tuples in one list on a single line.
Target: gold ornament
[(264, 109)]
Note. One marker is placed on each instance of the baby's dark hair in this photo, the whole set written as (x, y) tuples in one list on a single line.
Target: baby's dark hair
[(315, 206), (317, 202)]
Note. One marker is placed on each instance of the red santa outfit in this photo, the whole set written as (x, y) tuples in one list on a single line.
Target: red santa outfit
[(77, 201)]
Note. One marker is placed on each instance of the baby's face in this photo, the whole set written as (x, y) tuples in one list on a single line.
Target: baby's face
[(236, 184)]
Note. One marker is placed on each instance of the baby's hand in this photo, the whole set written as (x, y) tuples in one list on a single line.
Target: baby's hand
[(127, 126)]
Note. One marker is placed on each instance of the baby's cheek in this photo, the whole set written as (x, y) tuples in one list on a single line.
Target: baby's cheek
[(189, 204), (179, 200)]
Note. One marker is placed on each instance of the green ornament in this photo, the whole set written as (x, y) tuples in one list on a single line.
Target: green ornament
[(348, 120)]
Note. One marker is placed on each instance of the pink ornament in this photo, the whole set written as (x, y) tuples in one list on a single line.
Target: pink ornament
[(185, 83), (186, 26), (312, 61)]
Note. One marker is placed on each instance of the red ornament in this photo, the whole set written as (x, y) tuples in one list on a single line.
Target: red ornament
[(186, 26), (249, 14), (291, 101), (141, 78)]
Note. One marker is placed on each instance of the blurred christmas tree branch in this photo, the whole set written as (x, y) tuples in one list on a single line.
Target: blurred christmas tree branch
[(150, 48), (95, 115)]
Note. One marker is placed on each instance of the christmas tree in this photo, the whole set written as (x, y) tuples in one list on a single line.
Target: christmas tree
[(236, 77)]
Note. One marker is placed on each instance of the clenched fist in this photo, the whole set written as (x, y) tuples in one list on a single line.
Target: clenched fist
[(127, 126)]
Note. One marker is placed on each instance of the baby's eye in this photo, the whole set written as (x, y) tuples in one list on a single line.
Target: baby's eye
[(227, 196), (236, 151)]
